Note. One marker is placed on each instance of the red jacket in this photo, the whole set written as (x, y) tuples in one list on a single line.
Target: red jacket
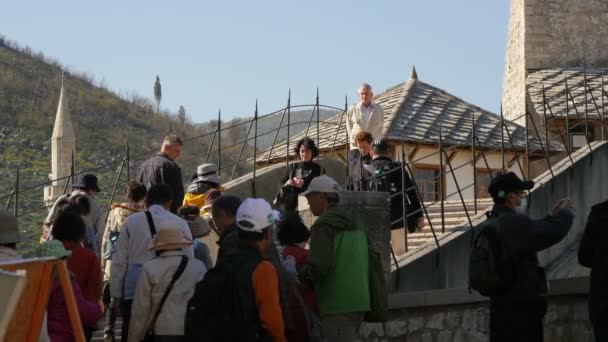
[(58, 323), (308, 295), (87, 270)]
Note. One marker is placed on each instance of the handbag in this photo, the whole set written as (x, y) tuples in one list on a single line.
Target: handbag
[(150, 335)]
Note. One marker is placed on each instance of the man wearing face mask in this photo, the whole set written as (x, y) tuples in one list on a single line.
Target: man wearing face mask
[(517, 311)]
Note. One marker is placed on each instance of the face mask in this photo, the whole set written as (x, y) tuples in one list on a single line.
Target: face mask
[(523, 206)]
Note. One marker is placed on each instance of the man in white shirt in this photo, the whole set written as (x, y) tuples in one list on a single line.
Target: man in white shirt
[(364, 116), (132, 247)]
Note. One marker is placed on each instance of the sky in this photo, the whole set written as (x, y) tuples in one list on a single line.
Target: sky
[(213, 55)]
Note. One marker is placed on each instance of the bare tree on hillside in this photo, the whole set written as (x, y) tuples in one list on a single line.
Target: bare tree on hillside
[(157, 94), (181, 115)]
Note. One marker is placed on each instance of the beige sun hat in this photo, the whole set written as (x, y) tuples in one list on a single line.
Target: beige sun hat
[(169, 238)]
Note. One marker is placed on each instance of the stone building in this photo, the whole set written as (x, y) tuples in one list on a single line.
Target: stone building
[(557, 55), (63, 144), (416, 113)]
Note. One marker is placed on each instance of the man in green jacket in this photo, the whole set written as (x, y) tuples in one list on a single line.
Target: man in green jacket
[(338, 264)]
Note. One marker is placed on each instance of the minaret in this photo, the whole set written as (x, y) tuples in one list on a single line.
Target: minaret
[(63, 144)]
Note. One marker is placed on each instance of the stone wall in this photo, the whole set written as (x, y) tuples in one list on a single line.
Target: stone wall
[(564, 33), (550, 34), (514, 77), (566, 320)]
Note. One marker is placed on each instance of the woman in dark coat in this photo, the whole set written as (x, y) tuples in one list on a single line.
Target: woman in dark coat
[(300, 174)]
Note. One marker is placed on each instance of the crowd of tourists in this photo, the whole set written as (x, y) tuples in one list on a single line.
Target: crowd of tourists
[(203, 265)]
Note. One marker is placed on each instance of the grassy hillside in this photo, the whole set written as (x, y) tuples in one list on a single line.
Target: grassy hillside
[(29, 91)]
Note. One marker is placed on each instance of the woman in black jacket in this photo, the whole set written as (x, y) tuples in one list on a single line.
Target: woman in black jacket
[(300, 174)]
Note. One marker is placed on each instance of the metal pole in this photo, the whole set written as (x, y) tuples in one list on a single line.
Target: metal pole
[(10, 199), (73, 170), (568, 142), (347, 137), (540, 142), (527, 142), (242, 149), (545, 117), (586, 109), (288, 127), (210, 146), (559, 131), (276, 136), (502, 138), (441, 185), (426, 213), (474, 163), (577, 114), (333, 145), (255, 146), (128, 160), (122, 165), (404, 203), (603, 108), (318, 123), (219, 144), (464, 205), (17, 194)]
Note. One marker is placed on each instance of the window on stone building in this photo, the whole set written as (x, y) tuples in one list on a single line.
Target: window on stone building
[(484, 177), (427, 179)]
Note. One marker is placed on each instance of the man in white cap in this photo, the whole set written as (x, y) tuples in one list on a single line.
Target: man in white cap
[(338, 265), (249, 291), (165, 285)]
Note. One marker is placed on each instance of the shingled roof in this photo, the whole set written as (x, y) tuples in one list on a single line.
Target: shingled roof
[(416, 112), (554, 82)]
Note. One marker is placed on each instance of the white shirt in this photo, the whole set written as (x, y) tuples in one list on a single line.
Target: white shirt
[(153, 282), (132, 248)]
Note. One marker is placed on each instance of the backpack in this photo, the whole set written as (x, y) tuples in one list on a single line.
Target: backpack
[(391, 182), (490, 270), (215, 313)]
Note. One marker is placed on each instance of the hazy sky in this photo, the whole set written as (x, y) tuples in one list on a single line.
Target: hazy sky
[(225, 54)]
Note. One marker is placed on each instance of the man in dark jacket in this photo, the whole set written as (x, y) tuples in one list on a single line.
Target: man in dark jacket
[(517, 314), (162, 169), (594, 254), (383, 174)]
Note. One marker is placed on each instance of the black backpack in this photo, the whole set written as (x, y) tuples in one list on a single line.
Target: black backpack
[(386, 181), (215, 311), (491, 271)]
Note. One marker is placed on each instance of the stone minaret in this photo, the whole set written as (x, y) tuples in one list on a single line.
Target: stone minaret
[(546, 34), (63, 144)]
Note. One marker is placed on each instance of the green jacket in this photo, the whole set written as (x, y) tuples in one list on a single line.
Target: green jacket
[(338, 264)]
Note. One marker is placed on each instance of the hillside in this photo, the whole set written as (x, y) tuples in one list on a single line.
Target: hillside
[(29, 91)]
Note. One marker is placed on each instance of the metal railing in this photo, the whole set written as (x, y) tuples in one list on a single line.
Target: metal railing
[(248, 159)]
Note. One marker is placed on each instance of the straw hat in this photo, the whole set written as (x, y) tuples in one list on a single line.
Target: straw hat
[(169, 238)]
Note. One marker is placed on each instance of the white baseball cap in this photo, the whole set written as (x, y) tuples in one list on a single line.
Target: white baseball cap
[(255, 214), (322, 184)]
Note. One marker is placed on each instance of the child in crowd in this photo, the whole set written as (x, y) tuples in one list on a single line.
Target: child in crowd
[(199, 229), (59, 328), (293, 235)]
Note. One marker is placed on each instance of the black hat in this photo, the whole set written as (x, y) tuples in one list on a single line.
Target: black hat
[(87, 182), (504, 183), (380, 144)]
